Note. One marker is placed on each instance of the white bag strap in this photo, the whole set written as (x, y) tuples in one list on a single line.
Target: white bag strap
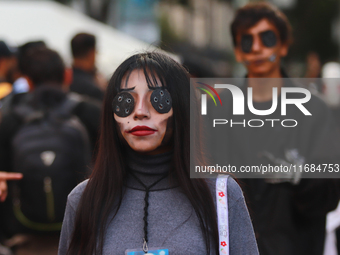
[(222, 213)]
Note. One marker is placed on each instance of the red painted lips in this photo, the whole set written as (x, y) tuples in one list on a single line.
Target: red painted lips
[(142, 131)]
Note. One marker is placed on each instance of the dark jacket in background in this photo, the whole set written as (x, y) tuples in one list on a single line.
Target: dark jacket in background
[(84, 83)]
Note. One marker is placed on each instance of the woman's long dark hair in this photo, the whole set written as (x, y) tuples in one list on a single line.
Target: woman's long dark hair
[(105, 186)]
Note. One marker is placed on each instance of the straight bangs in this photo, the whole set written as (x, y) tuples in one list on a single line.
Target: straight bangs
[(152, 70)]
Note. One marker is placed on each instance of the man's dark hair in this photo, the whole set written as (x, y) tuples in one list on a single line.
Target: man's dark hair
[(5, 51), (44, 67), (250, 14), (81, 44), (24, 49)]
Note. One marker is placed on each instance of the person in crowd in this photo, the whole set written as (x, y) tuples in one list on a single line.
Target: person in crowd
[(7, 64), (313, 73), (48, 137), (313, 65), (87, 112), (4, 177), (8, 73), (20, 85), (140, 197), (288, 213), (86, 79)]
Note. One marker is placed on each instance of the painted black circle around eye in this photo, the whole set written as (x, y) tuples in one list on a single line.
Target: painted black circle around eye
[(246, 43), (123, 104), (268, 38), (161, 100)]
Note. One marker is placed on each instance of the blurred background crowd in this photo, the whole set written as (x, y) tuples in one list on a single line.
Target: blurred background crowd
[(196, 30)]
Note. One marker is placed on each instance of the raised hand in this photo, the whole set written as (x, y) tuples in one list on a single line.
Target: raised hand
[(4, 177)]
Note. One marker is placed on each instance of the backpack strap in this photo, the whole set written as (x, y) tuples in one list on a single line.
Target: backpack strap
[(26, 112), (67, 107), (65, 110), (222, 213)]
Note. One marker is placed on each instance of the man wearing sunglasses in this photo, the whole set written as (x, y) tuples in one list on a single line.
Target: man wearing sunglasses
[(288, 214), (261, 37)]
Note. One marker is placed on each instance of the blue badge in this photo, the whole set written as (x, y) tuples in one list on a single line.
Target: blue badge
[(152, 251)]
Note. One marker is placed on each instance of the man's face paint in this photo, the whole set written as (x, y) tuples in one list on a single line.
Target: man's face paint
[(124, 103), (259, 48), (268, 39), (144, 114)]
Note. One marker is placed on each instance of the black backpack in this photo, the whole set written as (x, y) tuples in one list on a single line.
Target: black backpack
[(52, 151)]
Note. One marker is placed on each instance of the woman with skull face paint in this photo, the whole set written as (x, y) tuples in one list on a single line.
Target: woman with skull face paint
[(140, 198)]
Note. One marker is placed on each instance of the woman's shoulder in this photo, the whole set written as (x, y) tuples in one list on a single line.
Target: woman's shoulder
[(234, 190), (75, 195)]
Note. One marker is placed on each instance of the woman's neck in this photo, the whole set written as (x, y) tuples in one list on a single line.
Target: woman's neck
[(148, 168), (149, 164)]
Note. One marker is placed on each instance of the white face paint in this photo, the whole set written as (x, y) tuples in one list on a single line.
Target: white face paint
[(145, 130)]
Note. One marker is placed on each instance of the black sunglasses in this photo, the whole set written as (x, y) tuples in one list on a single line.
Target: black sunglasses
[(268, 39)]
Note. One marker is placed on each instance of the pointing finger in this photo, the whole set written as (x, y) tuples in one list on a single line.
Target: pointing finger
[(10, 176)]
